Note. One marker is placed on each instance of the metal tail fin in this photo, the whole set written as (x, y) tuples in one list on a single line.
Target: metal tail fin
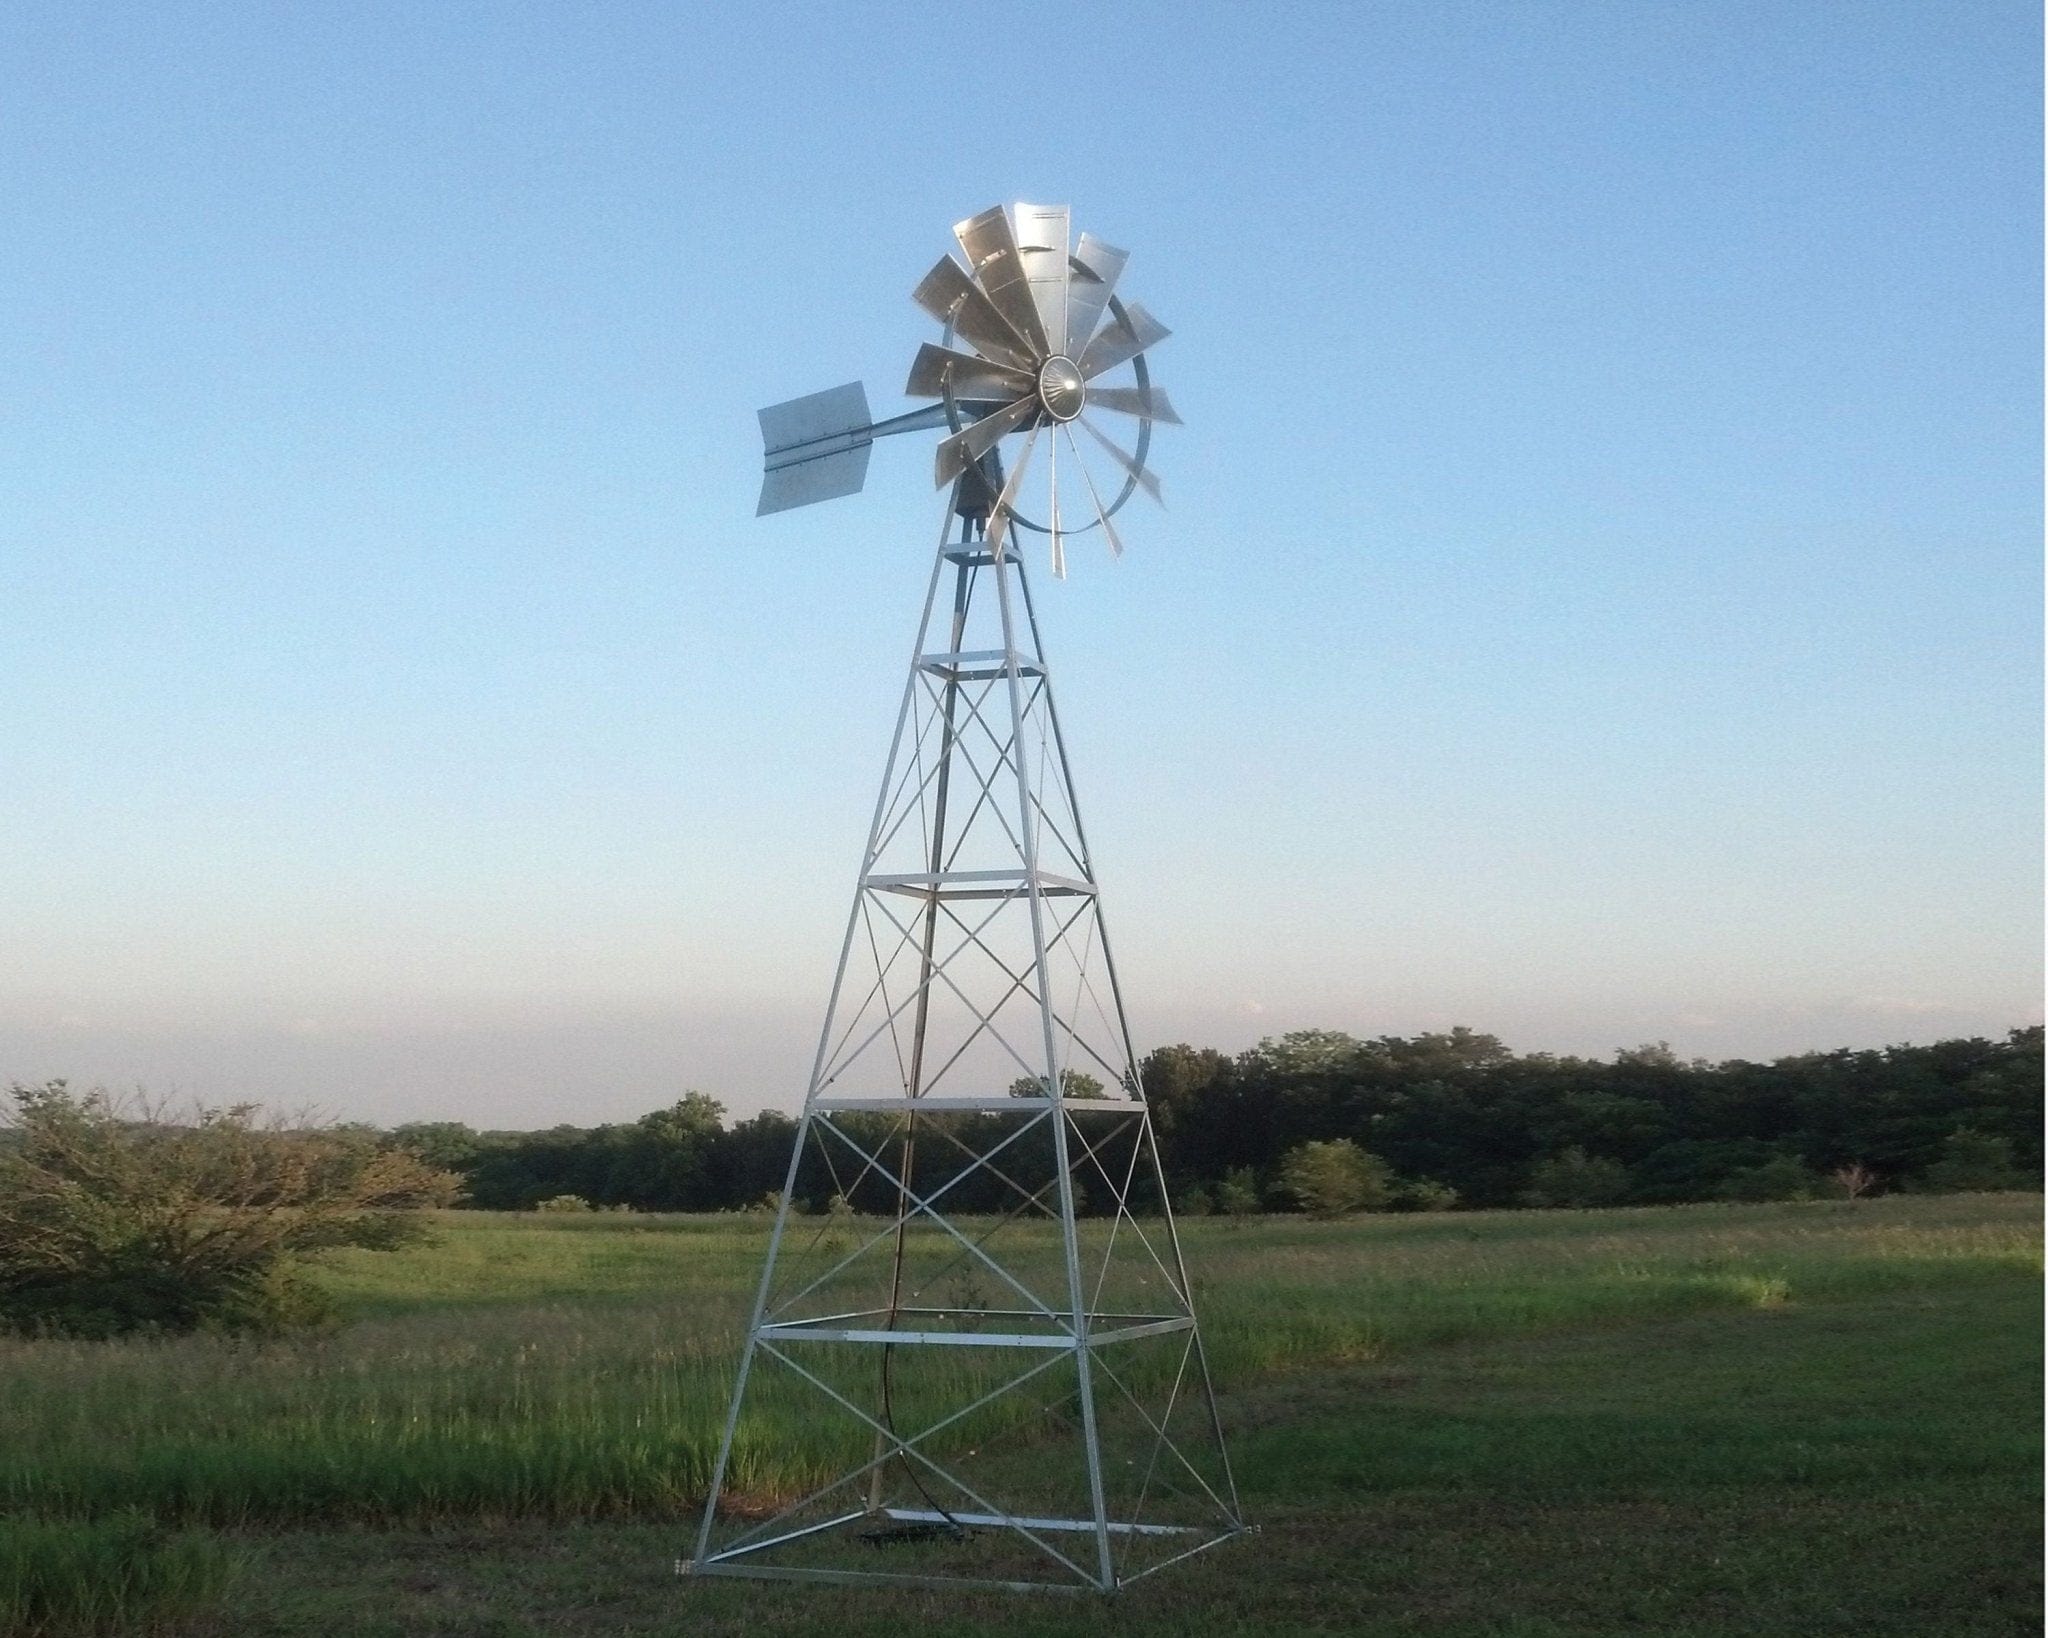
[(815, 448)]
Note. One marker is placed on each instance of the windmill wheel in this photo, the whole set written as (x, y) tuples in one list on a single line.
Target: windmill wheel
[(1044, 356)]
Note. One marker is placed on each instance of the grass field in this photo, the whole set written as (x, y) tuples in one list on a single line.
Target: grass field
[(1713, 1420)]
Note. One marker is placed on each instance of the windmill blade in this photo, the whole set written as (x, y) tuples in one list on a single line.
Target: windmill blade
[(1127, 461), (991, 249), (1088, 291), (1149, 402), (1137, 331), (959, 451), (999, 515), (1042, 243), (935, 369), (951, 297), (1116, 546)]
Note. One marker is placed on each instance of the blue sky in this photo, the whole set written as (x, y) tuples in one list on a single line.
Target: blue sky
[(1598, 599)]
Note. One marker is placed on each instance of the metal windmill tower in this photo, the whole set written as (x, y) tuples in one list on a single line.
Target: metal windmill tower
[(990, 1336)]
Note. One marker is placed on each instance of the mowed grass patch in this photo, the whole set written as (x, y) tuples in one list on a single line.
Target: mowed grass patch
[(578, 1367), (1864, 1465)]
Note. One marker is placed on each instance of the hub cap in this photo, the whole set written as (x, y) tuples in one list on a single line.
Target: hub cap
[(1060, 388)]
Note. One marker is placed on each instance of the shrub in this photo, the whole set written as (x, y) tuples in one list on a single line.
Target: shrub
[(117, 1218), (1782, 1177), (562, 1203), (1575, 1178), (1424, 1194), (1330, 1179), (1237, 1196)]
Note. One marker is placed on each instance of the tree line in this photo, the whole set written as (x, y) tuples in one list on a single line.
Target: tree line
[(1423, 1122), (117, 1215)]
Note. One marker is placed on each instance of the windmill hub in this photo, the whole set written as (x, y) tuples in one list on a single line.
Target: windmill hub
[(1035, 340), (1061, 388)]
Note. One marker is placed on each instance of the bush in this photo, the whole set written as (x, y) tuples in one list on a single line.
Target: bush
[(1425, 1194), (562, 1202), (1237, 1196), (1782, 1177), (1333, 1178), (1575, 1178), (116, 1218)]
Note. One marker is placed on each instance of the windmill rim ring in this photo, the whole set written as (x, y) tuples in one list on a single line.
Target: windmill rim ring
[(958, 423)]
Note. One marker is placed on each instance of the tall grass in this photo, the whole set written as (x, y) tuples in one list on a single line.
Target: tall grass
[(579, 1366), (120, 1574)]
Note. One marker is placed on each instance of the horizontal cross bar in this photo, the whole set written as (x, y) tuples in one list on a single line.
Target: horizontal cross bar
[(1116, 1527), (964, 884), (797, 1331), (806, 1330), (999, 1103), (981, 665)]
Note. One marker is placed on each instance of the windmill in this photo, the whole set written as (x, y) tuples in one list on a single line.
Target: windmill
[(986, 1343)]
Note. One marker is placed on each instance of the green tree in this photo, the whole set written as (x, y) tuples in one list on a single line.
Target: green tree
[(1973, 1162), (662, 1162), (1074, 1083), (446, 1145), (1332, 1178), (118, 1218), (1575, 1178)]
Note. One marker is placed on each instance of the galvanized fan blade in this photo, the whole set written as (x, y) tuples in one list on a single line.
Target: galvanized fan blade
[(1118, 342), (974, 379), (1042, 243), (1146, 401), (1089, 292), (1128, 462), (951, 297), (999, 517), (1116, 546), (1052, 508), (964, 448), (991, 249)]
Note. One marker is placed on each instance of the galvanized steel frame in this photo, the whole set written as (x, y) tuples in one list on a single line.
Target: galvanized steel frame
[(1076, 1330)]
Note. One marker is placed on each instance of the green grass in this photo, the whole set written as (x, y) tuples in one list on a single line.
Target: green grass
[(1864, 1467), (1801, 1418), (119, 1574), (579, 1367)]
